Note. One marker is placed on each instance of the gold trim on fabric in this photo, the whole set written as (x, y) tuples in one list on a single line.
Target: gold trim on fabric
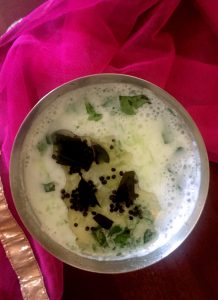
[(20, 254)]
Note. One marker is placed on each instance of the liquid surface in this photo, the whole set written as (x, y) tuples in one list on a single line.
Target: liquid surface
[(145, 139)]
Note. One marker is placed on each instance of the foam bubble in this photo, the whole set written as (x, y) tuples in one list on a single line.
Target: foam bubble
[(162, 169)]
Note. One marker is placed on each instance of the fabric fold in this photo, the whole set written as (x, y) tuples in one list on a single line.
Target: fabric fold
[(170, 43)]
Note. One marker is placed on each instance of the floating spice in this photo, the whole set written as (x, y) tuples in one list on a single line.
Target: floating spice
[(126, 190), (100, 154), (103, 221), (71, 150), (78, 153), (83, 197)]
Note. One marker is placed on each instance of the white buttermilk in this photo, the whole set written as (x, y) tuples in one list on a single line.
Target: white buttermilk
[(171, 175)]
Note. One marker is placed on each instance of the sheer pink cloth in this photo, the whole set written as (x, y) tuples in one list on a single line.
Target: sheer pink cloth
[(171, 43)]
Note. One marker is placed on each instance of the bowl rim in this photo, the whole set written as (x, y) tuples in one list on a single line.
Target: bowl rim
[(91, 264)]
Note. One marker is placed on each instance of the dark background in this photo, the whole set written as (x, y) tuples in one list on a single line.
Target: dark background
[(190, 272)]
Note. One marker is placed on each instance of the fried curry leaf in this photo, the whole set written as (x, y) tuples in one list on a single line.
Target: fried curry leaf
[(101, 154), (103, 221), (71, 150)]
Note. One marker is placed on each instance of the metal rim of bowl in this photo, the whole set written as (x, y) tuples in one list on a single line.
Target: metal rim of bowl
[(67, 256)]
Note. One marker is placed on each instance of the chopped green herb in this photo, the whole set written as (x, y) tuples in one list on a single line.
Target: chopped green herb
[(48, 139), (129, 104), (115, 230), (148, 235), (179, 149), (42, 146), (167, 136), (171, 111), (126, 106), (93, 115), (49, 187), (108, 102), (138, 101), (122, 239), (148, 216), (100, 237)]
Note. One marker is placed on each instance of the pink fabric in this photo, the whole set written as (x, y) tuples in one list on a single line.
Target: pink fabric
[(171, 43)]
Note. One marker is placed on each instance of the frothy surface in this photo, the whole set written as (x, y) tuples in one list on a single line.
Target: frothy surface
[(164, 157)]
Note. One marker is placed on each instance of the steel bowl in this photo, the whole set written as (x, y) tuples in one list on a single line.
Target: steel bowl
[(29, 218)]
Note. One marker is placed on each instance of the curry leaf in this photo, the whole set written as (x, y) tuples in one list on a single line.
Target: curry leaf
[(42, 146), (126, 106), (115, 230), (100, 237), (49, 187), (122, 239), (129, 104), (93, 115), (148, 216), (148, 235)]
